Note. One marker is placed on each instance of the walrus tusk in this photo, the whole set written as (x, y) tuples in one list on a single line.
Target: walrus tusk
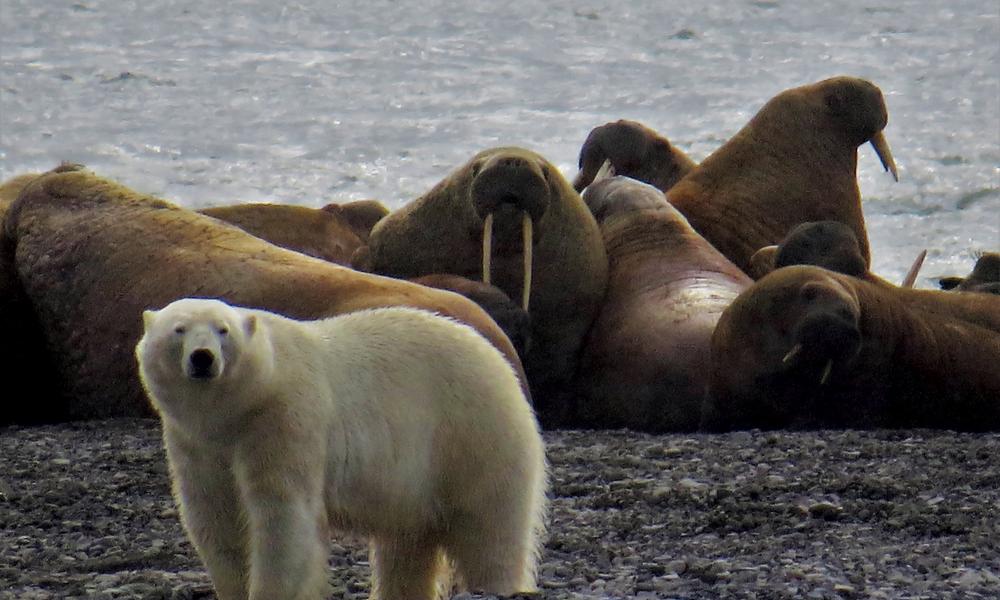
[(881, 146), (826, 372), (911, 275), (526, 231), (487, 246), (606, 171), (792, 353)]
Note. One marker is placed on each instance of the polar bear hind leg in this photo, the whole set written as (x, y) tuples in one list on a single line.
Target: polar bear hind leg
[(496, 554)]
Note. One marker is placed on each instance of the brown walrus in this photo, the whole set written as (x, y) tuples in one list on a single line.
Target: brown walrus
[(22, 349), (795, 161), (10, 189), (635, 151), (323, 233), (501, 198), (512, 319), (91, 255), (985, 276), (828, 244), (807, 347), (645, 361), (361, 215)]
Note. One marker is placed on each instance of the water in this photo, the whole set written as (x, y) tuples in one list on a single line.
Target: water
[(310, 102)]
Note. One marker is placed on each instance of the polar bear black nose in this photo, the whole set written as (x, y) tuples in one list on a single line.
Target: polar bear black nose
[(201, 363)]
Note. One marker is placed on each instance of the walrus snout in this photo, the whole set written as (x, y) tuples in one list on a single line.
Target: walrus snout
[(201, 364), (513, 180), (828, 334), (860, 105), (504, 186)]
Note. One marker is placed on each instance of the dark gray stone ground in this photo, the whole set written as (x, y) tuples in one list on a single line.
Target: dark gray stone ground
[(85, 512)]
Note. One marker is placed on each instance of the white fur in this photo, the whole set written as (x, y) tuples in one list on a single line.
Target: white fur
[(393, 423)]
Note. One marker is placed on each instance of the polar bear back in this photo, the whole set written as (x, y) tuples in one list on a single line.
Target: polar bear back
[(420, 408)]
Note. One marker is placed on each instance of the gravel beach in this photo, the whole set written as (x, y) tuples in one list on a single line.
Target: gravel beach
[(86, 512)]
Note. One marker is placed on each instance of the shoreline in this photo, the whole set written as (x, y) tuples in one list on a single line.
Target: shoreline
[(86, 512)]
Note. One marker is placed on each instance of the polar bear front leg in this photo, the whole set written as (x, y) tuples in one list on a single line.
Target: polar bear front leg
[(205, 489), (286, 523), (406, 567)]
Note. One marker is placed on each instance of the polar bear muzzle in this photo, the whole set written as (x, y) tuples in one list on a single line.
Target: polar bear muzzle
[(203, 355), (201, 364)]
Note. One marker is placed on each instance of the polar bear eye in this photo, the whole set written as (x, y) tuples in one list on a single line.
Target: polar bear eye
[(223, 330), (180, 329)]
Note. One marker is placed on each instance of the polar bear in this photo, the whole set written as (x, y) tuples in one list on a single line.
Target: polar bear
[(394, 423)]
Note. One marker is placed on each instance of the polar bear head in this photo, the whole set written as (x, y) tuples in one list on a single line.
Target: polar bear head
[(193, 344)]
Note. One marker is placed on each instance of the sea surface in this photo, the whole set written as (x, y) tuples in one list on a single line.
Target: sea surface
[(309, 102)]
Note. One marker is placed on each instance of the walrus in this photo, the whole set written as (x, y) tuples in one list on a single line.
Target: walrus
[(23, 348), (91, 255), (635, 151), (360, 215), (509, 217), (828, 244), (307, 230), (795, 161), (984, 278), (807, 347), (645, 360), (10, 189), (512, 319)]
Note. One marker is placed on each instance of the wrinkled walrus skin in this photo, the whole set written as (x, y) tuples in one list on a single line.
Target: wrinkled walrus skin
[(645, 361), (809, 348), (91, 255), (442, 232), (795, 161)]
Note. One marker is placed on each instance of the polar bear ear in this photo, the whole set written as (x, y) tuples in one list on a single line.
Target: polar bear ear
[(148, 316), (250, 325)]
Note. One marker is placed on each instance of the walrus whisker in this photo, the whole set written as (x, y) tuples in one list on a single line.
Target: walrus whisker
[(527, 233), (792, 353), (487, 246), (911, 275), (606, 171), (881, 146), (826, 372)]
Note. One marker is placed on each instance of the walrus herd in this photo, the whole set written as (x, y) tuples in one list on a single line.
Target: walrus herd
[(654, 293)]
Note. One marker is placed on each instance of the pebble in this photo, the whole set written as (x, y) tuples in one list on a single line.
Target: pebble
[(663, 529)]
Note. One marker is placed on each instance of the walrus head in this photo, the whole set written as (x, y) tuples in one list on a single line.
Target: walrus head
[(985, 276), (635, 151), (825, 331), (858, 106), (794, 333), (509, 190), (828, 244)]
